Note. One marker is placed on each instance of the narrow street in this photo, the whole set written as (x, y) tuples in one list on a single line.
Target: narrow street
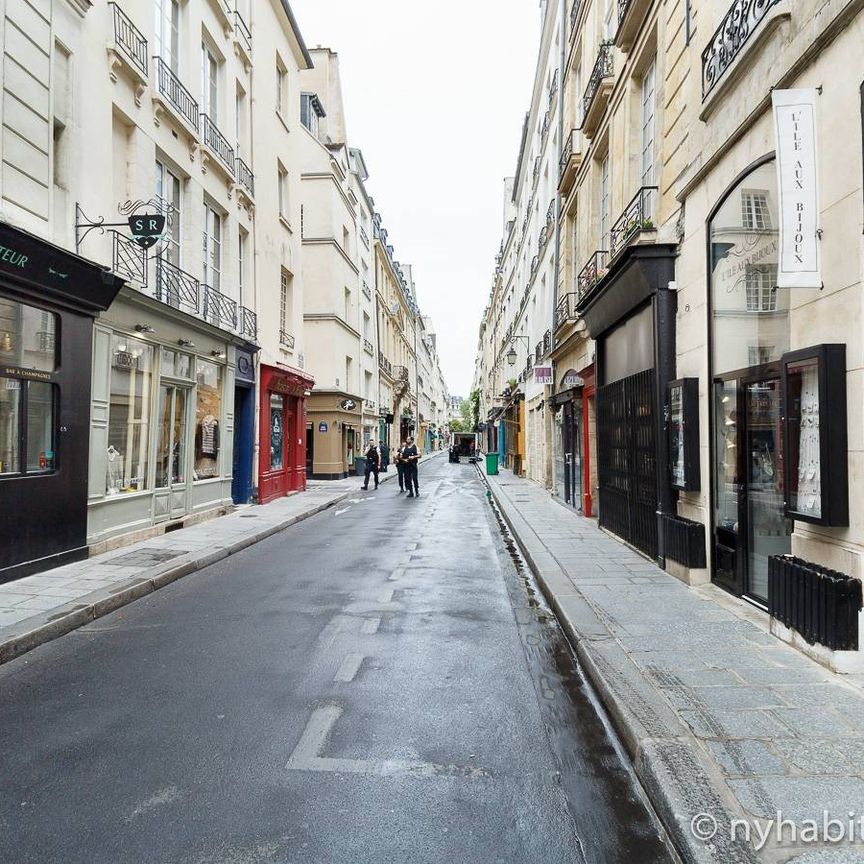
[(381, 683)]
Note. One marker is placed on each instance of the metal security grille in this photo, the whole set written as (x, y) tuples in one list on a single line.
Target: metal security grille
[(627, 460)]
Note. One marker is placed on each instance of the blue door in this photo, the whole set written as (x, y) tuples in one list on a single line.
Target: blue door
[(244, 425)]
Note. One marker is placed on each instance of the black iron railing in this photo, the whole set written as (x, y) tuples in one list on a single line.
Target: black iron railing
[(536, 172), (603, 68), (574, 13), (367, 291), (248, 323), (538, 352), (367, 345), (128, 37), (544, 236), (550, 213), (547, 341), (736, 28), (566, 152), (176, 287), (245, 177), (363, 235), (128, 259), (546, 118), (177, 95), (534, 262), (592, 272), (218, 143), (553, 90), (635, 219), (400, 372), (566, 309), (684, 540), (218, 309), (385, 364), (244, 35), (286, 339)]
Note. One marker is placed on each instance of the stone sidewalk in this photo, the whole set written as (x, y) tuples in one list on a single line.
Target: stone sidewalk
[(42, 607), (722, 720)]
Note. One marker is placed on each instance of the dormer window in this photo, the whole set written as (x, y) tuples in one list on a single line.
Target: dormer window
[(311, 110)]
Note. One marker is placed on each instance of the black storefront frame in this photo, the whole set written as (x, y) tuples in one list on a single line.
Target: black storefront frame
[(45, 513)]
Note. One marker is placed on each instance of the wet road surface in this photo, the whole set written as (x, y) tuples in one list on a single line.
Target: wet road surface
[(380, 683)]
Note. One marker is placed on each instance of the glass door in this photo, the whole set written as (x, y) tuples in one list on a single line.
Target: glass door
[(171, 453)]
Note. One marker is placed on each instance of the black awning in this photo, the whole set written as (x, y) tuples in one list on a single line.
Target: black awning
[(30, 264)]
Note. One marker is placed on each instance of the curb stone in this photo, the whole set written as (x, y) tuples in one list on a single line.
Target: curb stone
[(670, 766), (44, 627)]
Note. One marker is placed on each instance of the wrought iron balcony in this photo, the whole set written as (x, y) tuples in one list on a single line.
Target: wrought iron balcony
[(553, 90), (244, 35), (367, 291), (218, 143), (592, 273), (550, 214), (218, 309), (598, 90), (536, 172), (180, 99), (367, 347), (245, 177), (631, 16), (286, 339), (129, 39), (538, 352), (176, 287), (534, 262), (363, 235), (547, 341), (571, 159), (736, 28), (566, 309), (385, 364), (248, 323), (635, 220), (128, 259), (400, 372), (546, 119), (574, 14)]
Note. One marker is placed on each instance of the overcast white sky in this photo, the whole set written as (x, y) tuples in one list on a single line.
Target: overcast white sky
[(435, 94)]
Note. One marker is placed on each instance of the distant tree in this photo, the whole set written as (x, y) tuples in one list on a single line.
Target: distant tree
[(466, 416)]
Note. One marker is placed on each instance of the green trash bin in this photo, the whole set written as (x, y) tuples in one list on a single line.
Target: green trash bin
[(491, 463)]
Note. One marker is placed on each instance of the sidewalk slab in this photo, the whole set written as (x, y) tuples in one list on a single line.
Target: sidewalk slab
[(719, 717), (42, 607)]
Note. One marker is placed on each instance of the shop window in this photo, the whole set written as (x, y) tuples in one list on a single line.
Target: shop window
[(27, 412), (129, 413), (277, 432), (208, 410), (175, 364), (28, 336)]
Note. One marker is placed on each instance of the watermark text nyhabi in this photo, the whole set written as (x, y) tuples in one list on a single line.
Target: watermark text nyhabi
[(827, 829)]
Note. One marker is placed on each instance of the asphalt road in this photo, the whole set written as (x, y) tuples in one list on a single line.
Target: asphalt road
[(379, 683)]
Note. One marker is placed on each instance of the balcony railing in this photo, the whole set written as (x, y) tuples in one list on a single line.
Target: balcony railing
[(546, 119), (631, 15), (130, 39), (245, 177), (635, 219), (385, 364), (547, 341), (176, 287), (536, 172), (177, 95), (550, 214), (736, 28), (567, 152), (603, 68), (538, 352), (244, 35), (574, 13), (367, 291), (553, 90), (534, 262), (367, 347), (363, 235), (596, 268), (248, 323), (400, 372), (218, 143), (219, 309), (128, 259), (286, 339), (566, 310)]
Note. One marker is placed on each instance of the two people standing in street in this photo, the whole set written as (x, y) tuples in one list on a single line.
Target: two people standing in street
[(405, 457)]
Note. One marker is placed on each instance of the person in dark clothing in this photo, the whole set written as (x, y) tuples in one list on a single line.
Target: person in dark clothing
[(373, 460), (400, 467), (411, 456)]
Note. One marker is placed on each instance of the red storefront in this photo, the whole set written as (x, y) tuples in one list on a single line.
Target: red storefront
[(282, 416)]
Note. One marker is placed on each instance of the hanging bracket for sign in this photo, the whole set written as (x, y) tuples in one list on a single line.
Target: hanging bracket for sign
[(147, 221)]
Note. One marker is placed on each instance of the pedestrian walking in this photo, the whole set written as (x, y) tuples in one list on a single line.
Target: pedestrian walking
[(373, 461), (400, 467), (410, 457)]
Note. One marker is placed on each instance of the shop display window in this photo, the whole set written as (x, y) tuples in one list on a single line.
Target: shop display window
[(27, 436), (28, 336), (10, 426), (176, 364), (277, 431), (816, 482), (683, 434), (129, 413), (208, 411)]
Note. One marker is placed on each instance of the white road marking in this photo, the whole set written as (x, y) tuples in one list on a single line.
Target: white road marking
[(306, 755), (386, 596), (398, 573), (349, 668), (340, 512), (371, 625)]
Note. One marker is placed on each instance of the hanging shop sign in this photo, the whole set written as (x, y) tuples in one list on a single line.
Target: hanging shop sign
[(571, 379), (147, 228), (543, 375), (147, 221), (799, 263), (347, 404)]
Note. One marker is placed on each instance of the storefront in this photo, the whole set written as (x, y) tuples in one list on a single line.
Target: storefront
[(161, 420), (631, 314), (48, 300), (335, 428), (575, 439), (282, 459)]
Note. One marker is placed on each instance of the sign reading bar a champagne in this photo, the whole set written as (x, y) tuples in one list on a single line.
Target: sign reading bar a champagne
[(799, 264)]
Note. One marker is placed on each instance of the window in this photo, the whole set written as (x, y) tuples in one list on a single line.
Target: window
[(347, 304), (27, 410), (610, 21), (604, 202), (365, 326), (27, 336), (283, 192), (208, 411), (209, 84), (367, 385), (212, 247), (241, 265), (310, 110), (761, 287), (758, 355), (129, 412), (166, 30), (348, 364), (649, 104), (169, 192), (346, 240), (281, 86), (286, 301), (277, 431), (755, 214)]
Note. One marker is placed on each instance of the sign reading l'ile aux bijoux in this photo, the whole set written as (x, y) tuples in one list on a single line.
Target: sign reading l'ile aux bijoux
[(799, 261)]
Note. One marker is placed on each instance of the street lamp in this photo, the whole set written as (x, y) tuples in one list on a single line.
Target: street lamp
[(511, 354)]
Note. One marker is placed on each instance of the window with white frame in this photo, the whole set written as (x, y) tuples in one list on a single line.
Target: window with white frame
[(209, 84), (283, 191), (610, 20), (281, 86), (761, 283), (169, 190), (242, 239), (649, 106), (167, 28), (286, 301), (212, 247), (755, 215), (308, 112)]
